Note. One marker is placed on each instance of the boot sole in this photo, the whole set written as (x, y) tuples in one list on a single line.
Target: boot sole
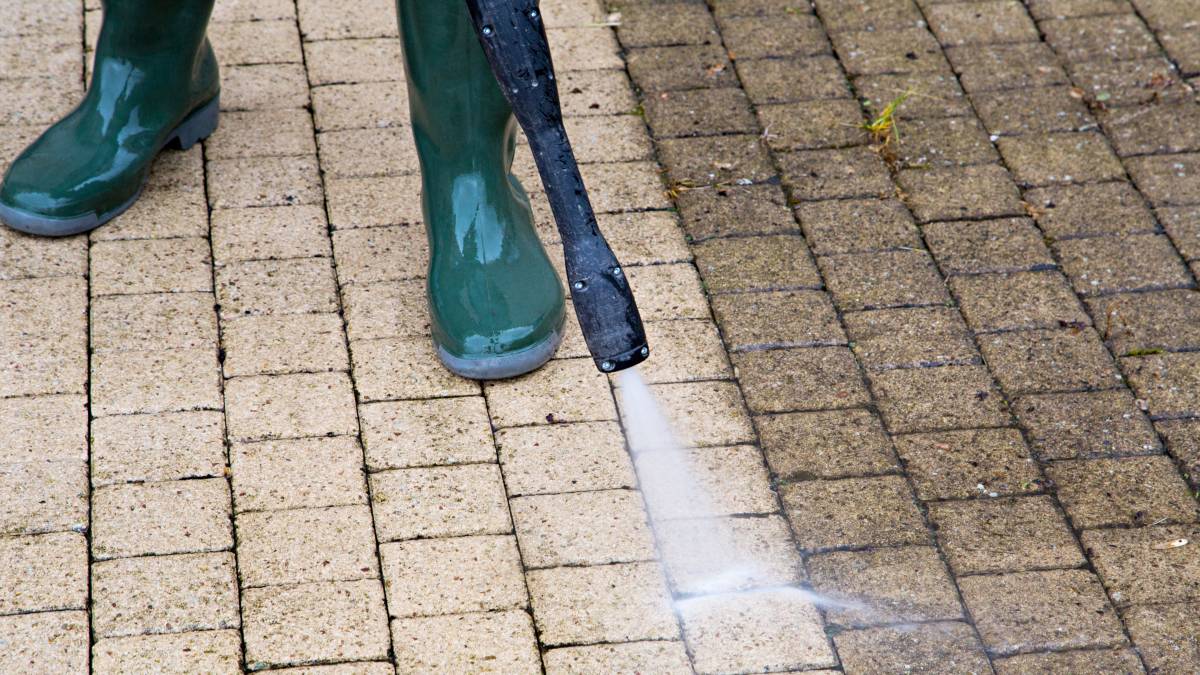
[(506, 365), (197, 126)]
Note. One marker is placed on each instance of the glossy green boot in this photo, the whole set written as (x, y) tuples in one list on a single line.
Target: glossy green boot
[(154, 84), (495, 301)]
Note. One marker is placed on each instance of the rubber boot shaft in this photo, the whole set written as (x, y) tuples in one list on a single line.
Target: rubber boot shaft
[(155, 81), (496, 303)]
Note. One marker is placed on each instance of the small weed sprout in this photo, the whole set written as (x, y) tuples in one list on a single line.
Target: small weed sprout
[(884, 130)]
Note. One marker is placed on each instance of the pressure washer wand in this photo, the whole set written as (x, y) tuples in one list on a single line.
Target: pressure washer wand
[(514, 40)]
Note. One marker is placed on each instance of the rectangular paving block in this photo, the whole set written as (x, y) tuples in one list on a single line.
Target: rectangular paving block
[(784, 380), (925, 646), (293, 343), (825, 444), (43, 497), (273, 232), (566, 390), (428, 577), (563, 458), (964, 464), (910, 583), (300, 473), (399, 434), (910, 337), (930, 399), (157, 447), (1146, 564), (306, 545), (309, 623), (757, 632), (164, 594), (503, 641), (1004, 535), (582, 528), (155, 381), (1028, 611), (666, 657), (43, 427), (155, 321), (43, 573), (215, 651), (161, 518), (290, 406), (54, 642), (609, 603), (440, 502), (853, 512), (713, 555), (1130, 491)]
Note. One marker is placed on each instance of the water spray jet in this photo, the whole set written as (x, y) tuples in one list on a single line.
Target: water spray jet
[(514, 40)]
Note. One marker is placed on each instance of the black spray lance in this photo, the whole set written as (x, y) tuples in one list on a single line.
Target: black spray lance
[(514, 40)]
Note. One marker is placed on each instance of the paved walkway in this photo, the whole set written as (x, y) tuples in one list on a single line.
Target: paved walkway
[(955, 376)]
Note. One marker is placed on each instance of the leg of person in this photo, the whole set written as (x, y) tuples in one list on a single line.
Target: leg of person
[(495, 302), (154, 83)]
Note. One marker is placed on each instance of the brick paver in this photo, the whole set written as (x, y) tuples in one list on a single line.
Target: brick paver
[(953, 379)]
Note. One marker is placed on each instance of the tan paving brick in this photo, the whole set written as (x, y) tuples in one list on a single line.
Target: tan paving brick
[(538, 398), (667, 657), (1020, 300), (1134, 491), (348, 61), (751, 321), (1137, 322), (928, 399), (1145, 565), (910, 583), (263, 87), (45, 641), (869, 52), (782, 380), (582, 528), (157, 447), (684, 350), (306, 623), (1003, 535), (364, 105), (294, 343), (290, 406), (882, 224), (1166, 635), (251, 42), (43, 427), (756, 263), (263, 181), (276, 287), (150, 266), (356, 153), (825, 444), (218, 651), (910, 337), (43, 497), (1165, 382), (1101, 208), (668, 292), (703, 413), (161, 518), (1041, 610), (158, 321), (835, 174), (610, 603), (440, 502), (1008, 245), (426, 432), (405, 368), (1045, 360), (451, 576), (375, 254), (269, 233), (984, 191), (699, 554), (306, 545), (1117, 264), (262, 133), (27, 256), (43, 573), (853, 512), (1109, 661), (497, 640), (155, 381), (963, 464), (770, 630), (564, 458), (386, 309), (164, 594), (881, 280), (928, 646), (305, 473)]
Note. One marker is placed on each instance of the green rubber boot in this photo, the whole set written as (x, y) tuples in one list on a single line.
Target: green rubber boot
[(154, 84), (495, 301)]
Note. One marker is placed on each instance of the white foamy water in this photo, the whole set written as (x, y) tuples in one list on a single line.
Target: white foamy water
[(707, 553)]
